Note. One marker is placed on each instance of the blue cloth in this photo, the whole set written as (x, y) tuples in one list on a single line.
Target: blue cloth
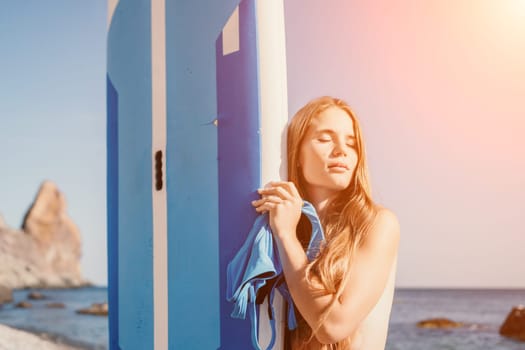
[(256, 272)]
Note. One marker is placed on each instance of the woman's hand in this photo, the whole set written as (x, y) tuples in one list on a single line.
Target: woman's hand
[(283, 202)]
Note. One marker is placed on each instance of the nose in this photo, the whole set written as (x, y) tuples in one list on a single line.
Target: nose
[(339, 149)]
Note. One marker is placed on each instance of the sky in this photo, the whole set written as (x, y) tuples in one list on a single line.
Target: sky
[(437, 87), (52, 114)]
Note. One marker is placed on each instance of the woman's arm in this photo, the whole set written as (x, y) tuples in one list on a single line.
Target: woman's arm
[(369, 270)]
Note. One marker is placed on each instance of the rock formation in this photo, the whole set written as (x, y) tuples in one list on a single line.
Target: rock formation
[(46, 251), (6, 295), (3, 225), (439, 323), (95, 309), (23, 305), (36, 296), (56, 305), (514, 325)]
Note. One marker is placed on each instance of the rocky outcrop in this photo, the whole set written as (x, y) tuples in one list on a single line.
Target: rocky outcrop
[(56, 305), (439, 323), (514, 325), (36, 296), (95, 309), (3, 225), (6, 295), (46, 251), (24, 305)]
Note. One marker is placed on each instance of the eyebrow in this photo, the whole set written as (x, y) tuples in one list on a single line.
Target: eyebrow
[(330, 131)]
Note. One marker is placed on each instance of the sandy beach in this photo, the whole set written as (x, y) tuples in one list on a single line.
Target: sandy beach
[(14, 339)]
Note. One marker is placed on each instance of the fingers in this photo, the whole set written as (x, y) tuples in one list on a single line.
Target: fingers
[(290, 186), (283, 189), (275, 193), (270, 199), (266, 203), (293, 190), (268, 206)]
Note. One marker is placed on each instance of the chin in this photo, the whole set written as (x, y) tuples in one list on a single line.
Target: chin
[(338, 186)]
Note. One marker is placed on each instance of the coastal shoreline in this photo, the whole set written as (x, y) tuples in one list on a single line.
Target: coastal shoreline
[(21, 339), (61, 324)]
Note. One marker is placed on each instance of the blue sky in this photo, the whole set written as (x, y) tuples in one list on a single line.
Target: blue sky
[(53, 117)]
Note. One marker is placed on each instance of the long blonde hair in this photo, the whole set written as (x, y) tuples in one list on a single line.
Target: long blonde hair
[(348, 219)]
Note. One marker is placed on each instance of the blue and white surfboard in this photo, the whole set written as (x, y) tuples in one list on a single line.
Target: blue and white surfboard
[(197, 106)]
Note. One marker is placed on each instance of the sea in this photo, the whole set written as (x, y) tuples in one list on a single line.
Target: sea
[(481, 310), (61, 325)]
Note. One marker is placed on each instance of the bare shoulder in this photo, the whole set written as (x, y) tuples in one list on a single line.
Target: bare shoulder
[(385, 228), (387, 220)]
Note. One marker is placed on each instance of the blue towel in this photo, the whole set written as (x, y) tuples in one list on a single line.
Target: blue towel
[(256, 272)]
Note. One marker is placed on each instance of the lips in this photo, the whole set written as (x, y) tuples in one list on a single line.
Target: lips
[(338, 166)]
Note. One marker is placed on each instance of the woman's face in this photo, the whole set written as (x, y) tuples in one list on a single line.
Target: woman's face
[(328, 154)]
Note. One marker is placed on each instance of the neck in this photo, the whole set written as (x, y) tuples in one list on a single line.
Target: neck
[(320, 199)]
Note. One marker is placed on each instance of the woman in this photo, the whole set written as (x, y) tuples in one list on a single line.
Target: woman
[(345, 295)]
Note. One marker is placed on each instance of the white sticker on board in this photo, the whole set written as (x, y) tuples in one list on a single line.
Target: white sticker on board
[(230, 34)]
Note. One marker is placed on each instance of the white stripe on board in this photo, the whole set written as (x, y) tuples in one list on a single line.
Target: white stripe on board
[(273, 89), (273, 99), (112, 5), (160, 230)]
